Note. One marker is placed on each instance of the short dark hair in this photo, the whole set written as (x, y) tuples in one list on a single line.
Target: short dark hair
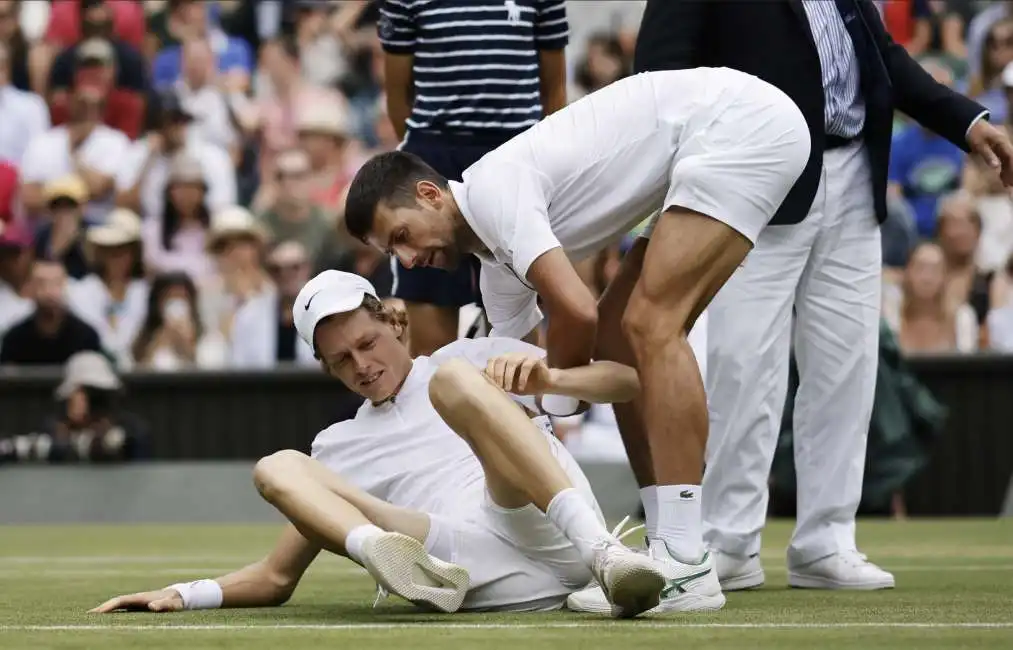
[(388, 178)]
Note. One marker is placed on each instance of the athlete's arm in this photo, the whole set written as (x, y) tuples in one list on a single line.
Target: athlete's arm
[(600, 382), (266, 583), (571, 309)]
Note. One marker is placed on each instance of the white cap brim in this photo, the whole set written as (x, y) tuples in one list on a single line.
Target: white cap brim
[(327, 294)]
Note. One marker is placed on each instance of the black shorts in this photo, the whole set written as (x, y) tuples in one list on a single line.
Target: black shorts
[(449, 155)]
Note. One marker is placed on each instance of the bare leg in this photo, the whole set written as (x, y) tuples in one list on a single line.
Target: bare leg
[(520, 469), (689, 258), (519, 466), (323, 506), (613, 345)]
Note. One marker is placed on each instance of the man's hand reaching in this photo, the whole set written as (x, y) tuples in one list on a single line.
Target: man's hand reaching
[(520, 373), (166, 600)]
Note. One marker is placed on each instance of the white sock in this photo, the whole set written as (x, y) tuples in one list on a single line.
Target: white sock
[(649, 497), (680, 522), (357, 537), (578, 521)]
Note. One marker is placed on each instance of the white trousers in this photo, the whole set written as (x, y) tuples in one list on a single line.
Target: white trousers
[(828, 268)]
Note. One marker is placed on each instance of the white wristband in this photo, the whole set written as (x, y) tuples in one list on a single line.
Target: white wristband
[(560, 405), (200, 594)]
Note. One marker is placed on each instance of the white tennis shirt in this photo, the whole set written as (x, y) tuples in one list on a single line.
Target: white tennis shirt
[(403, 452), (580, 179)]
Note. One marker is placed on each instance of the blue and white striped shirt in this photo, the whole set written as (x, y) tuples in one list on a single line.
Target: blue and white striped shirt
[(844, 107), (475, 61)]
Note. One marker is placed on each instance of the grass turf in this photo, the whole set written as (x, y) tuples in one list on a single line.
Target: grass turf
[(955, 590)]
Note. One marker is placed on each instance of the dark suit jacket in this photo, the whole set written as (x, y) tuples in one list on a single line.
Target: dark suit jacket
[(772, 41)]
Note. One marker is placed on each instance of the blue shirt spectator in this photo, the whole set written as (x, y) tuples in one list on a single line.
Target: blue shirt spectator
[(924, 166), (232, 54)]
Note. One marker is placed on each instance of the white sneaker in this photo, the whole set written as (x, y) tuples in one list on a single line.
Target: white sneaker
[(738, 572), (631, 582), (688, 587), (400, 565), (844, 570)]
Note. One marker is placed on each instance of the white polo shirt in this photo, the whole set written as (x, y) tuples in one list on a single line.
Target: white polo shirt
[(403, 452), (48, 157), (218, 170), (580, 179)]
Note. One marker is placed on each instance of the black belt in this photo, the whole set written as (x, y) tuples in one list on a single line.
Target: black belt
[(838, 141)]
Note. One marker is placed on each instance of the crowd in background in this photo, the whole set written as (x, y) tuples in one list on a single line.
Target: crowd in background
[(172, 171)]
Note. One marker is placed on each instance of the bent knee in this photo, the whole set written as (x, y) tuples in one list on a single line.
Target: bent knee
[(453, 384), (270, 472), (650, 323)]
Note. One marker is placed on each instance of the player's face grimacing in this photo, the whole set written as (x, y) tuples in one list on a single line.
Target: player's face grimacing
[(420, 234), (364, 353)]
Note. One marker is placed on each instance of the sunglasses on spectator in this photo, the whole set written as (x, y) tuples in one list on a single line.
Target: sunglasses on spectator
[(1004, 41), (64, 203)]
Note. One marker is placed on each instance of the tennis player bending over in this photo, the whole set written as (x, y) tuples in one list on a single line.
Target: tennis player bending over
[(443, 487)]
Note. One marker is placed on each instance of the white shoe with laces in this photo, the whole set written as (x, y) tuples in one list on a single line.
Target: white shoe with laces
[(401, 565), (844, 570), (688, 587)]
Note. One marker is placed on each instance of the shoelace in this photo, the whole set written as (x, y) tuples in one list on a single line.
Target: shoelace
[(381, 594), (620, 535)]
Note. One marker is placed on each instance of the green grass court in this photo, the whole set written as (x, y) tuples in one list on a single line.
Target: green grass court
[(955, 590)]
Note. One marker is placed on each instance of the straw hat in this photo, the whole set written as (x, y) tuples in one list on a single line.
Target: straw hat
[(70, 187), (186, 168), (234, 221), (328, 118), (121, 227)]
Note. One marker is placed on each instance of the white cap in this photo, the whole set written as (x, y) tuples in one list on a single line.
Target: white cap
[(329, 293)]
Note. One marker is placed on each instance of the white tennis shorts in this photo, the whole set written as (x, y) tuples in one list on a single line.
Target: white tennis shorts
[(517, 559), (737, 160)]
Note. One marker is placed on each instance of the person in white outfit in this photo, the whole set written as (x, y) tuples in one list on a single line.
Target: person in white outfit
[(442, 487), (708, 155)]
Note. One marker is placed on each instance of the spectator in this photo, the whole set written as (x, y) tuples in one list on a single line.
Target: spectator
[(292, 216), (15, 267), (189, 19), (27, 63), (10, 205), (958, 234), (325, 136), (320, 53), (113, 298), (172, 336), (920, 315), (175, 239), (986, 86), (264, 333), (85, 147), (923, 165), (289, 96), (938, 29), (112, 65), (236, 241), (52, 333), (978, 29), (202, 98), (61, 239), (144, 173), (384, 136), (25, 115), (91, 426), (70, 21), (1000, 319), (899, 234), (996, 211)]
